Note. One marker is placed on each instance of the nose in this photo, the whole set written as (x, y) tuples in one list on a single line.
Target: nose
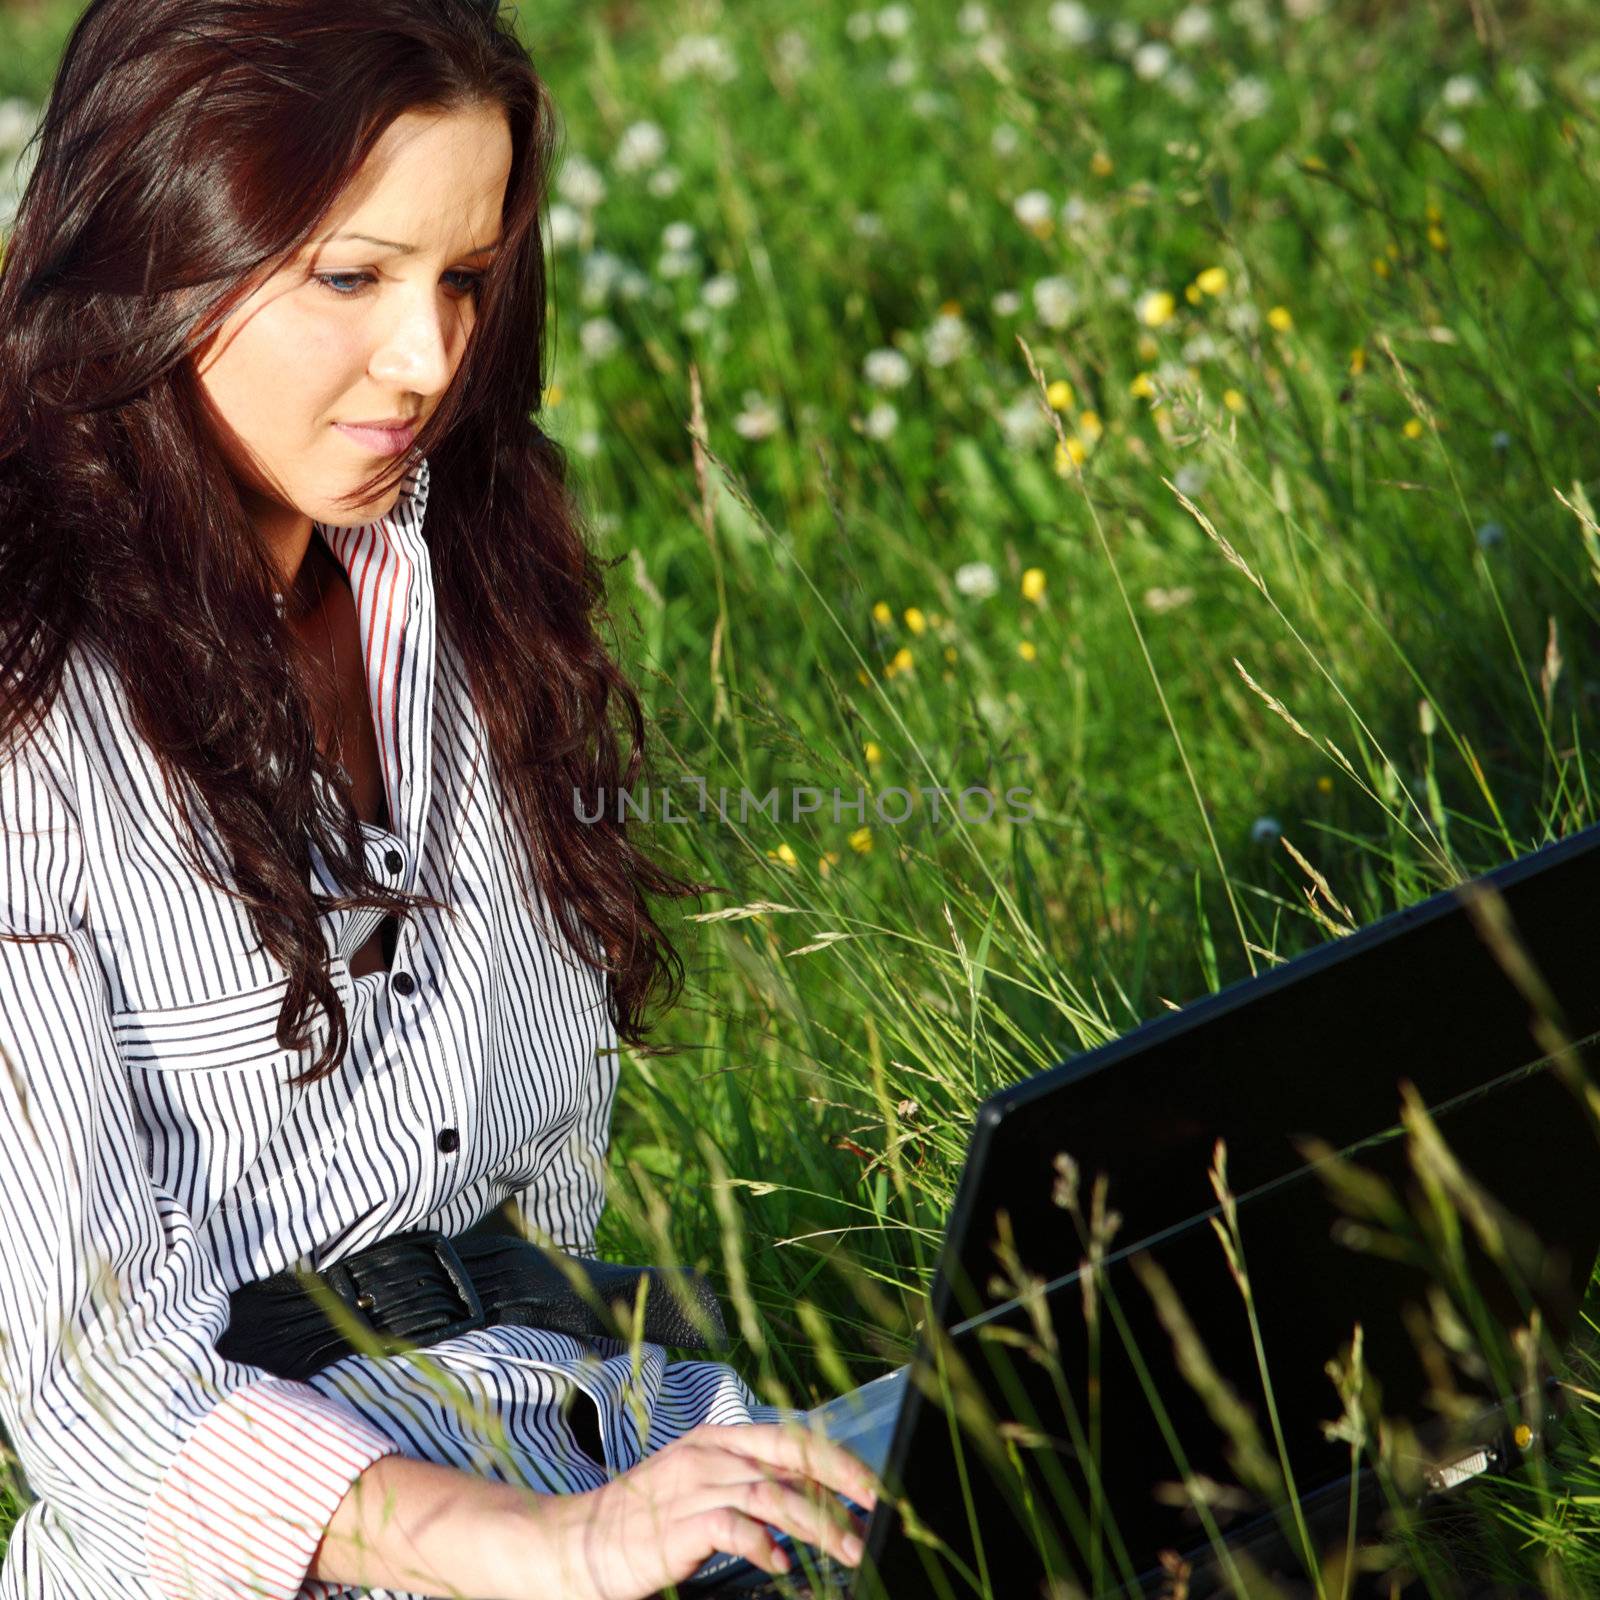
[(421, 346)]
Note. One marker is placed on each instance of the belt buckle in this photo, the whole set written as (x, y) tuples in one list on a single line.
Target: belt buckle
[(443, 1252)]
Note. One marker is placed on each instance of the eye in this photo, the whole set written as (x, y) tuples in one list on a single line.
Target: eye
[(472, 284)]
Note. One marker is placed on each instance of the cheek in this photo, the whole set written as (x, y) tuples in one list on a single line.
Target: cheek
[(289, 362)]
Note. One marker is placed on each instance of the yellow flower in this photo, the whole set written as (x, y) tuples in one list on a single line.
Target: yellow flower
[(1392, 250), (882, 613), (1192, 294), (1437, 237), (1358, 360), (1213, 280), (1101, 165), (873, 754), (827, 861), (1413, 428), (1090, 426), (1148, 349), (1033, 584), (1161, 417), (950, 653), (903, 661), (1069, 454), (552, 395), (1432, 212), (1278, 317), (936, 619), (1324, 784), (915, 620), (861, 841), (1059, 394), (863, 677), (1142, 386), (1233, 400), (785, 854), (1156, 308), (1380, 266), (951, 308), (1028, 650)]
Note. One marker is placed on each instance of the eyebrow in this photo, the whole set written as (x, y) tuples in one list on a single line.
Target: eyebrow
[(408, 249)]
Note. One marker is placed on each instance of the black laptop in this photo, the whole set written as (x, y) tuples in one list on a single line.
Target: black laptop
[(1016, 1474)]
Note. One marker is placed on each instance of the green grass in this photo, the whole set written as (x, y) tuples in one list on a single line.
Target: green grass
[(1373, 637)]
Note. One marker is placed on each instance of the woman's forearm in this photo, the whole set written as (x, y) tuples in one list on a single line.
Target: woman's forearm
[(431, 1529)]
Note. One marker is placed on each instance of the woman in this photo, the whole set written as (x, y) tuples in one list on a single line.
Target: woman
[(305, 947)]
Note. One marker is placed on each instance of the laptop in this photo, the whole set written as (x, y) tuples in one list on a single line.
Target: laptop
[(1016, 1475)]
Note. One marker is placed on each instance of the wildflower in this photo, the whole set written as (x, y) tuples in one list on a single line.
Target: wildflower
[(1437, 237), (1213, 280), (1101, 165), (1413, 428), (1059, 394), (1451, 135), (720, 291), (1141, 387), (1460, 91), (1004, 139), (1243, 318), (1358, 361), (886, 369), (900, 72), (976, 580), (1163, 600), (972, 19), (1023, 424), (1071, 21), (1248, 97), (828, 860), (702, 55), (1151, 60), (1070, 453), (793, 51), (696, 320), (1233, 400), (947, 339), (1525, 90), (566, 225), (1090, 426), (867, 225), (872, 753), (1201, 348), (1265, 830), (1182, 85), (861, 841), (1191, 293), (579, 182), (1007, 303), (882, 613), (859, 25), (1033, 584), (951, 654), (1075, 211), (1033, 209), (632, 284), (1489, 535), (1193, 25), (1278, 318), (587, 443), (1190, 479), (881, 421), (785, 854), (1055, 300), (598, 337), (903, 661), (1500, 441), (1324, 784), (677, 264), (759, 419), (1380, 266), (1123, 37), (1028, 650), (663, 183), (1155, 308), (642, 145), (894, 22)]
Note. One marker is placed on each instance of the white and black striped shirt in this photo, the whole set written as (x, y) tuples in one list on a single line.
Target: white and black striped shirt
[(158, 1157)]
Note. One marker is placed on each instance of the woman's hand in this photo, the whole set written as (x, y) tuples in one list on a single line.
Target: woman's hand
[(715, 1488)]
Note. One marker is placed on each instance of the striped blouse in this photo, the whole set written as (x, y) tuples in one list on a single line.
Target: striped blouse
[(158, 1156)]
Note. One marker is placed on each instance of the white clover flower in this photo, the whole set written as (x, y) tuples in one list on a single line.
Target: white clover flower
[(1119, 286), (990, 52), (599, 336), (566, 225), (971, 19), (901, 71), (977, 580), (1202, 347), (793, 51), (1123, 37), (580, 182), (696, 320), (1023, 424), (926, 104), (880, 421), (677, 264), (642, 145), (1248, 97), (587, 443), (948, 339), (886, 369), (1055, 300), (894, 22), (1070, 20), (1182, 85), (867, 225), (1190, 479), (1451, 135), (1344, 122), (1005, 139), (1525, 90), (1193, 25), (1151, 60), (860, 26), (1460, 90), (1075, 211), (759, 419), (1032, 208), (663, 183), (18, 119), (1162, 600), (1255, 18), (720, 291), (632, 284), (598, 272), (700, 55), (1173, 375), (1007, 303), (678, 236)]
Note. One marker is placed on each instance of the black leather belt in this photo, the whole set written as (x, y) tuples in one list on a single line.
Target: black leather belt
[(417, 1288)]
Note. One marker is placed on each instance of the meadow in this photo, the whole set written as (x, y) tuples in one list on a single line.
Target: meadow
[(1181, 414)]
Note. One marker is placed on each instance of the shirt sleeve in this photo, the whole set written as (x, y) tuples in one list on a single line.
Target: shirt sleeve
[(204, 1477)]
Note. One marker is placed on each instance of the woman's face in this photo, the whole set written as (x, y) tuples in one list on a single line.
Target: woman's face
[(359, 330)]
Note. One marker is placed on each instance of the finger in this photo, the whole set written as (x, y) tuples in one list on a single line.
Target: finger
[(795, 1447), (823, 1522), (727, 1529)]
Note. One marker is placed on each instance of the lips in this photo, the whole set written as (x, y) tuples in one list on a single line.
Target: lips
[(380, 441)]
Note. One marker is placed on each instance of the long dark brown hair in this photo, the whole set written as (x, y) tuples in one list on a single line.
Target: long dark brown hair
[(189, 146)]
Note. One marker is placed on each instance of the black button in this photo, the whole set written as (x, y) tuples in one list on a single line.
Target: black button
[(393, 860), (404, 983), (449, 1139)]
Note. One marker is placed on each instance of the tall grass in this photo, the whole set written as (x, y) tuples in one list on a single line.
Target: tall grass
[(1234, 503)]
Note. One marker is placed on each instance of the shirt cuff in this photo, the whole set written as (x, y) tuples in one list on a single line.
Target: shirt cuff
[(246, 1502)]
